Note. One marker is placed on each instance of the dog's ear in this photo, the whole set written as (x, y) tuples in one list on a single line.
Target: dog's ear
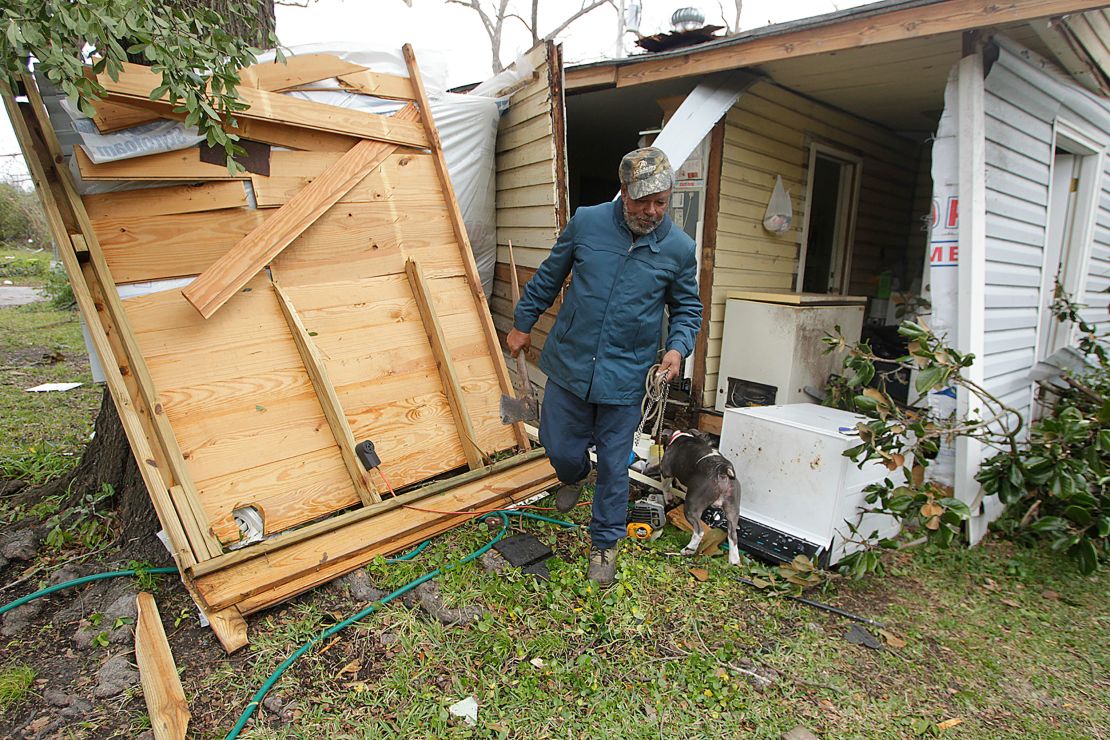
[(666, 435), (699, 434)]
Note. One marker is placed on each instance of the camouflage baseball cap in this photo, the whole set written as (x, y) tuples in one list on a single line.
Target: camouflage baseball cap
[(646, 171)]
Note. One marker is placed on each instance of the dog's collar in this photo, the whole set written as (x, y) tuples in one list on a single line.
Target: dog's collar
[(678, 434), (714, 453)]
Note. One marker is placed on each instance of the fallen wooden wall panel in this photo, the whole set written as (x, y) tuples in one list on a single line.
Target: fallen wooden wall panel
[(261, 404)]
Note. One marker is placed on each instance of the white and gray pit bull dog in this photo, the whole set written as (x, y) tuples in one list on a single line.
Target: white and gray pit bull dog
[(709, 480)]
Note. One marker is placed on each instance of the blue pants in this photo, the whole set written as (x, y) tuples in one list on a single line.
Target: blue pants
[(568, 425)]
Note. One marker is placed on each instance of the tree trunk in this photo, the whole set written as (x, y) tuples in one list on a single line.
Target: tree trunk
[(107, 459)]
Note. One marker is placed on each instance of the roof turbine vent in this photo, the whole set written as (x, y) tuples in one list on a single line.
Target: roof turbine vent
[(687, 19)]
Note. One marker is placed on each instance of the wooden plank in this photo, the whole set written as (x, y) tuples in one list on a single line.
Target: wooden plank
[(406, 534), (183, 164), (318, 529), (176, 245), (165, 699), (136, 82), (405, 175), (463, 425), (463, 241), (379, 85), (804, 39), (165, 201), (110, 117), (233, 270), (350, 540), (230, 628), (325, 391), (297, 69)]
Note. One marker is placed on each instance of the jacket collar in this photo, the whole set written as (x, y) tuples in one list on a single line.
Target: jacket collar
[(653, 239)]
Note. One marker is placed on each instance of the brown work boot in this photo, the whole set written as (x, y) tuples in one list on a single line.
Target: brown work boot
[(603, 565), (566, 498)]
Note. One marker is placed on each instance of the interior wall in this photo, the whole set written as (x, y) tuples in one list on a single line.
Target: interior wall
[(769, 132)]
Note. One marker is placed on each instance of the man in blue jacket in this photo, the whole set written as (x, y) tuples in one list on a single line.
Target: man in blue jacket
[(627, 262)]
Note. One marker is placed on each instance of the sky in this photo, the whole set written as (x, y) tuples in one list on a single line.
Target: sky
[(457, 32)]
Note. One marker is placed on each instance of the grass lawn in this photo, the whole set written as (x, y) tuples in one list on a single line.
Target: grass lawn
[(42, 434), (24, 266), (1000, 641)]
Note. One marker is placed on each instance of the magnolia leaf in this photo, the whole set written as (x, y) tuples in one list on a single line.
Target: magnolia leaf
[(932, 509), (948, 724), (700, 573)]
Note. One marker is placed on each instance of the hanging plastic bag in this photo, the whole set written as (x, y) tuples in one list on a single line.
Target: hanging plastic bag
[(779, 211)]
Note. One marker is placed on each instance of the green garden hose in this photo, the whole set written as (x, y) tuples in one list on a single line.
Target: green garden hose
[(269, 684), (78, 581)]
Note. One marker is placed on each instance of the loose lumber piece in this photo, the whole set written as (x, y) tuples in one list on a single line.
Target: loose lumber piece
[(325, 391), (165, 699), (136, 82), (488, 330), (231, 272), (467, 436), (110, 117), (298, 69), (379, 85), (274, 76), (183, 164)]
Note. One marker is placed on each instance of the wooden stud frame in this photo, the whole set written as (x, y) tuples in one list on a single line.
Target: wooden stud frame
[(308, 369)]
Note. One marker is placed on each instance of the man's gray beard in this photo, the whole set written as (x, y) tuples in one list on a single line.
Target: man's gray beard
[(634, 227)]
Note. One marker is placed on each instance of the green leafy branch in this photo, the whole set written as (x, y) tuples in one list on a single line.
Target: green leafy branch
[(907, 439), (198, 58)]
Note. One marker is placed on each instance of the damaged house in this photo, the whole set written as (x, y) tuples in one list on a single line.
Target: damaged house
[(950, 151)]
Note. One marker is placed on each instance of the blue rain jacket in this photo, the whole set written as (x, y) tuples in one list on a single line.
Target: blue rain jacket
[(607, 332)]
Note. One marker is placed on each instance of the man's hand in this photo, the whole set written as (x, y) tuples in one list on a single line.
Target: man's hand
[(518, 340), (670, 364)]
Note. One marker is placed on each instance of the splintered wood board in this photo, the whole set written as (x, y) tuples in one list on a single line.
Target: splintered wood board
[(297, 69), (247, 419), (279, 574)]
